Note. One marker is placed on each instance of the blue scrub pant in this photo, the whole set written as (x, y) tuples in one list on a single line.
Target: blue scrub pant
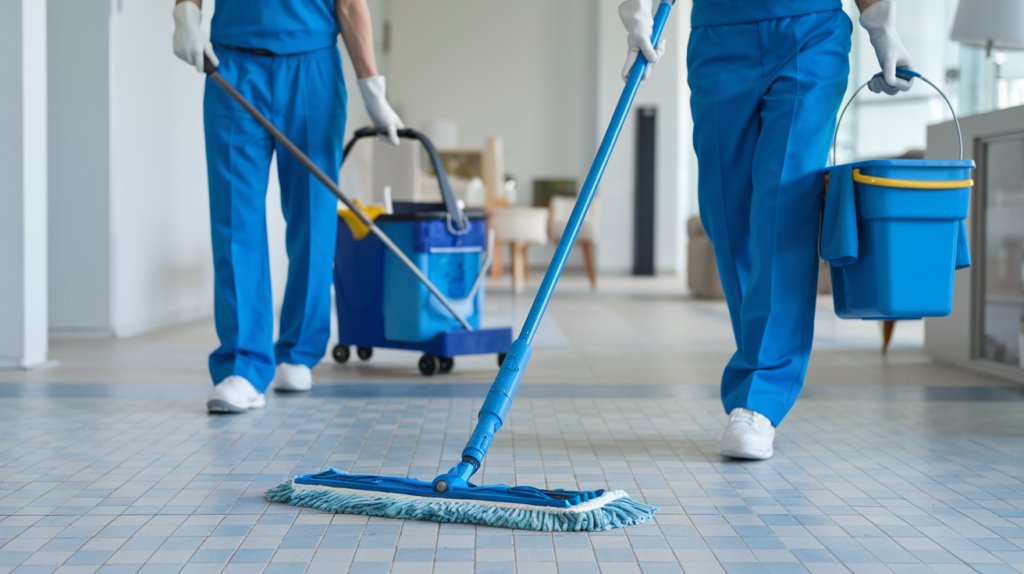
[(764, 101), (304, 96)]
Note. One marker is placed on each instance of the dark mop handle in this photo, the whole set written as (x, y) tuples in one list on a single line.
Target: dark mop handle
[(212, 72)]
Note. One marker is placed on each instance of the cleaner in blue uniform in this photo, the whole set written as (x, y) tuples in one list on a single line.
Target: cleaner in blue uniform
[(282, 56), (766, 79)]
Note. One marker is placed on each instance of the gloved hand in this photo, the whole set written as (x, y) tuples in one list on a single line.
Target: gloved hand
[(879, 20), (189, 41), (638, 19), (374, 91)]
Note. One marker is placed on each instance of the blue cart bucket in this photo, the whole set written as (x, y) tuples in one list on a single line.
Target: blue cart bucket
[(452, 262), (379, 299), (908, 234), (906, 240)]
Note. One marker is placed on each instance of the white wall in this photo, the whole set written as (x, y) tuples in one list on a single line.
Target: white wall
[(23, 282), (664, 90), (79, 166), (522, 70), (160, 235), (545, 76), (130, 228)]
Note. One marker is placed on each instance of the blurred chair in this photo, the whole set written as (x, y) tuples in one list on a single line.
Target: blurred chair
[(520, 227), (701, 268), (561, 209)]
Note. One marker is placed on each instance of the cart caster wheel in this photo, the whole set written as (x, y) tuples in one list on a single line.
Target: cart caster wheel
[(446, 365), (340, 353), (364, 353), (428, 365), (501, 359)]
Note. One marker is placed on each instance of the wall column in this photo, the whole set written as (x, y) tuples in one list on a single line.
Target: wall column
[(23, 184)]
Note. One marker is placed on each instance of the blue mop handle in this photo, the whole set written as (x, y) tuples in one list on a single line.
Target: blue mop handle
[(503, 391)]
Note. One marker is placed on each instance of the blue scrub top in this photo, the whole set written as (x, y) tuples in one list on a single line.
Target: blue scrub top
[(728, 12), (281, 26)]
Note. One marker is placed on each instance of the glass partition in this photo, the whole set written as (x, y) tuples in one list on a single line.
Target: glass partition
[(1001, 333)]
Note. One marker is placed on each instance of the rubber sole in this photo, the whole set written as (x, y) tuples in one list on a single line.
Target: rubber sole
[(283, 389), (219, 407), (747, 455)]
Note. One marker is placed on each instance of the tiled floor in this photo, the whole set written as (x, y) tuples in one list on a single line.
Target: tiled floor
[(110, 464)]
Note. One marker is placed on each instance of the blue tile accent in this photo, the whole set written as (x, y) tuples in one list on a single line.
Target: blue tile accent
[(13, 558), (614, 555), (369, 568), (724, 542), (231, 530), (454, 555), (743, 568), (810, 555), (786, 568), (252, 555), (307, 530), (211, 556), (660, 568), (778, 520), (161, 568), (285, 568), (34, 569), (118, 569), (763, 543), (63, 544), (414, 555), (508, 568), (752, 530), (88, 557)]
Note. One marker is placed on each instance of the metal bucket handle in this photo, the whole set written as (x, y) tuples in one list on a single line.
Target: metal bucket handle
[(455, 213), (905, 74)]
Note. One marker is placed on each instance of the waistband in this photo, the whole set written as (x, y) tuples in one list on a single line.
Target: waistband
[(268, 54)]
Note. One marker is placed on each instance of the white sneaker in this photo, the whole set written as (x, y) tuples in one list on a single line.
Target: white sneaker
[(749, 435), (234, 395), (292, 378)]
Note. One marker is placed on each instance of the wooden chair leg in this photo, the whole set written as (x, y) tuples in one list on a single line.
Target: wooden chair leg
[(588, 259), (887, 328), (497, 268), (526, 261), (518, 266)]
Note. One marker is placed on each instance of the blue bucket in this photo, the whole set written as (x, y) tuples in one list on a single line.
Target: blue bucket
[(910, 235), (452, 262)]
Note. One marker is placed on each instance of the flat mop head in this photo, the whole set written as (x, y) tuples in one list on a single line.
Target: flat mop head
[(521, 507)]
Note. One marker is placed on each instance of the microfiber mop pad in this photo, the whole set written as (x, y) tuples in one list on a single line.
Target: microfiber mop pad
[(521, 507)]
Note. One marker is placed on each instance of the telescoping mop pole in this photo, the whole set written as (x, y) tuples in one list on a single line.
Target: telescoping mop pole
[(503, 390)]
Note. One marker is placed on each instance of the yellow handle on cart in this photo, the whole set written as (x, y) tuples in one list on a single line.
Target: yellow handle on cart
[(910, 184)]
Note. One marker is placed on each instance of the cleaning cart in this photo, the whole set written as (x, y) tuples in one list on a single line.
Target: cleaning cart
[(893, 232), (381, 304)]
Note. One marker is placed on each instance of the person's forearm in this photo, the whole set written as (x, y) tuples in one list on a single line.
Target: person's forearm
[(357, 33), (863, 4)]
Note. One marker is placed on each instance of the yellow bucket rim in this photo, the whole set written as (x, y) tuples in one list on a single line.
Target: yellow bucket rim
[(910, 183)]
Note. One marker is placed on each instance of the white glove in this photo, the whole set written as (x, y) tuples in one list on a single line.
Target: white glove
[(374, 91), (638, 19), (189, 41), (879, 20)]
